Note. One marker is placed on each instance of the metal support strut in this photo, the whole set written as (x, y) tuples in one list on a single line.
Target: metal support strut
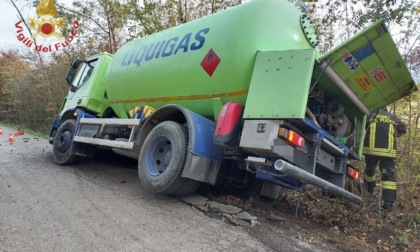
[(306, 177)]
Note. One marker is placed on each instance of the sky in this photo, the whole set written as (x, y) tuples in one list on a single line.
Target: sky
[(8, 19)]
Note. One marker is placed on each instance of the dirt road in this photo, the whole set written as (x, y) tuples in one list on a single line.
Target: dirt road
[(100, 206)]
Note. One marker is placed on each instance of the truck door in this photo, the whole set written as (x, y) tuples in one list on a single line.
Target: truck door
[(82, 83)]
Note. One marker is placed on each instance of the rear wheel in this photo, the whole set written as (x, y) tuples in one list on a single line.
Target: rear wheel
[(162, 160), (63, 143)]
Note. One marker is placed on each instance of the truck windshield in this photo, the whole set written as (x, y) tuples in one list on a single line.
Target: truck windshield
[(84, 72)]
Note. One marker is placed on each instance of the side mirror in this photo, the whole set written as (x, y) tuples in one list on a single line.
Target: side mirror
[(72, 72), (70, 75)]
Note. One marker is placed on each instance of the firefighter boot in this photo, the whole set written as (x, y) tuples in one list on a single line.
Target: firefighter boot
[(369, 181), (370, 186)]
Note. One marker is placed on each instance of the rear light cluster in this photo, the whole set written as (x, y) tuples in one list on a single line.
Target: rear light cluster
[(352, 173), (292, 137)]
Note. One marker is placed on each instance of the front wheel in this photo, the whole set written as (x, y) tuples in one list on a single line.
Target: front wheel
[(63, 143), (162, 160)]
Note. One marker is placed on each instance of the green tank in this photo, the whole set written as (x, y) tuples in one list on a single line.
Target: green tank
[(206, 59)]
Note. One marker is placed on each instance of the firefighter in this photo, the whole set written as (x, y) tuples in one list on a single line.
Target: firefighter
[(380, 148)]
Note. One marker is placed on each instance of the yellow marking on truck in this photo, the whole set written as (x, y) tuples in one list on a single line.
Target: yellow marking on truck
[(178, 98), (364, 82)]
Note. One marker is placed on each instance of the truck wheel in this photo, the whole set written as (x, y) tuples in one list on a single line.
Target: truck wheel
[(63, 143), (162, 159)]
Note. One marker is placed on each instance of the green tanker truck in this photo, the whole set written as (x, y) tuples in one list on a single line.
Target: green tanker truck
[(237, 96)]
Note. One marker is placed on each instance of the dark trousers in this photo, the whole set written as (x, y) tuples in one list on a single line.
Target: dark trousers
[(389, 184)]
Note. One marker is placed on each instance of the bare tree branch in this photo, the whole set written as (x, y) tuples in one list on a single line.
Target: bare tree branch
[(29, 29), (83, 15)]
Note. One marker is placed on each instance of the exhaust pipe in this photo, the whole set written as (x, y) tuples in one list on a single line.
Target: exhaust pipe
[(308, 178)]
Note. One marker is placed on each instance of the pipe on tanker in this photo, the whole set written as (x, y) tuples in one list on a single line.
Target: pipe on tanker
[(306, 177), (343, 87)]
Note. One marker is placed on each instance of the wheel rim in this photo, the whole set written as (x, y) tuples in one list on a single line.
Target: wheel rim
[(64, 141), (159, 156)]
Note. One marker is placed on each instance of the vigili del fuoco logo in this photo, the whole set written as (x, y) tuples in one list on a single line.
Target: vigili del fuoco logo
[(46, 25)]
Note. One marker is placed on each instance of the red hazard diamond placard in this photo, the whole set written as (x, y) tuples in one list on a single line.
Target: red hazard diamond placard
[(210, 62)]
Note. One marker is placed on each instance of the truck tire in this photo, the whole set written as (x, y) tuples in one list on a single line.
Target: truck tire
[(162, 160), (63, 143), (187, 188)]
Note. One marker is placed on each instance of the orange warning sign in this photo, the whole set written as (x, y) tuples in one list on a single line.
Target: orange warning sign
[(364, 82)]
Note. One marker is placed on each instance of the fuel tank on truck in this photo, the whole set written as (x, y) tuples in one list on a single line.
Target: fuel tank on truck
[(204, 62)]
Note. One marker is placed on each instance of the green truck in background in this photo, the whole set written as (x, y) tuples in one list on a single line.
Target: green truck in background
[(239, 95)]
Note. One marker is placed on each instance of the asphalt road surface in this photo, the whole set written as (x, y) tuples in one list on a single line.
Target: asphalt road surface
[(99, 206)]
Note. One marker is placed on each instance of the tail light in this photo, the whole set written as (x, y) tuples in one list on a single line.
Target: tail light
[(352, 173), (228, 124), (292, 137)]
